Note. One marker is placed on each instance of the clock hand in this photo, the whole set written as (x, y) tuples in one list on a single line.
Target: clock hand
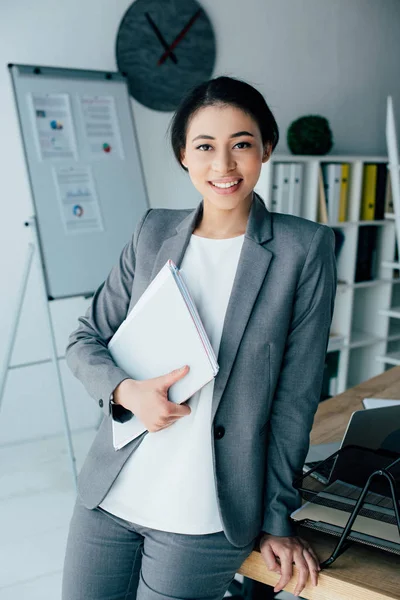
[(180, 36), (160, 37)]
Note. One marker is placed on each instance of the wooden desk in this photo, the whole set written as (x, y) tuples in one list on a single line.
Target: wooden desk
[(361, 573)]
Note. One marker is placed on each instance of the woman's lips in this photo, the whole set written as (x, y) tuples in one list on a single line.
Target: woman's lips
[(226, 191)]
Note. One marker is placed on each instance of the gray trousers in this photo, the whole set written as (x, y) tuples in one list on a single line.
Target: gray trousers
[(108, 558)]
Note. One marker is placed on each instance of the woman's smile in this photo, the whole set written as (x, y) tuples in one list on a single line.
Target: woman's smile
[(226, 187)]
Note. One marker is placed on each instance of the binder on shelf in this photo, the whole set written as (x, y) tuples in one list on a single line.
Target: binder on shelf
[(295, 189), (332, 173), (322, 206), (275, 187), (365, 511), (388, 195), (381, 180), (368, 198), (344, 193), (162, 332), (366, 253), (280, 187)]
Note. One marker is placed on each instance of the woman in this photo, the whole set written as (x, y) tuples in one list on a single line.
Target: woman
[(176, 512)]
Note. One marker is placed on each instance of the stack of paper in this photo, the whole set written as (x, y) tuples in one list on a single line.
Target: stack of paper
[(379, 402), (162, 332)]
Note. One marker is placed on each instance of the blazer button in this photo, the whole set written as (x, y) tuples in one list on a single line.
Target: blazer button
[(101, 403), (219, 432)]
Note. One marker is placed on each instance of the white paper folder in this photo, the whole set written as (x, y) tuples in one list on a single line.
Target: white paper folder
[(162, 332)]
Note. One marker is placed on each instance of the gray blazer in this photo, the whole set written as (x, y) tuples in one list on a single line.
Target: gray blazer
[(271, 360)]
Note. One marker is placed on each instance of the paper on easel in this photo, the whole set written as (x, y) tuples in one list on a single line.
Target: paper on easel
[(163, 332)]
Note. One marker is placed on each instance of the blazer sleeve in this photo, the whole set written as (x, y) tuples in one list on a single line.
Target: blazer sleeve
[(299, 385), (87, 355)]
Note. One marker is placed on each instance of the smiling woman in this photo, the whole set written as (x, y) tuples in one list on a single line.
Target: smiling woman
[(222, 133), (174, 513)]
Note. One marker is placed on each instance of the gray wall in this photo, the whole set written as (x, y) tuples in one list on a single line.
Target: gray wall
[(336, 58)]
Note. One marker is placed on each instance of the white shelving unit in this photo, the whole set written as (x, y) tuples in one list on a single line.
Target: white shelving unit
[(362, 315)]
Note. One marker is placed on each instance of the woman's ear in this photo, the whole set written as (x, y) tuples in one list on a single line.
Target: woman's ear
[(267, 152), (182, 155)]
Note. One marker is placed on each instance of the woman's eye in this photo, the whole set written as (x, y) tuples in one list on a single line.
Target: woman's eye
[(206, 147)]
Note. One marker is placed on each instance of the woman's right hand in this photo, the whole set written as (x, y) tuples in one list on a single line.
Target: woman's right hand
[(148, 400)]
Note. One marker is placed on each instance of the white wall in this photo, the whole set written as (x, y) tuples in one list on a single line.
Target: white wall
[(337, 58)]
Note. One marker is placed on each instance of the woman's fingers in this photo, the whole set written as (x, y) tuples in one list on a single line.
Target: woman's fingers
[(302, 566), (289, 550), (315, 557), (312, 565), (286, 561), (270, 559)]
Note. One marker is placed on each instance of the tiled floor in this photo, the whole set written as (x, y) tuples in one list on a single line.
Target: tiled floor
[(36, 501)]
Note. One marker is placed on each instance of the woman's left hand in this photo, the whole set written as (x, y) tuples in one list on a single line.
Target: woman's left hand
[(289, 551)]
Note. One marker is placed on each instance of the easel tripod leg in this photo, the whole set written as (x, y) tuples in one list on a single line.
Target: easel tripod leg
[(53, 349)]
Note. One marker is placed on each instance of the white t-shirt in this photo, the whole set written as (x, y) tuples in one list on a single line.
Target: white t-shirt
[(168, 482)]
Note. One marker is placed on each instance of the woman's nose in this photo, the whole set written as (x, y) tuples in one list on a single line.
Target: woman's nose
[(223, 162)]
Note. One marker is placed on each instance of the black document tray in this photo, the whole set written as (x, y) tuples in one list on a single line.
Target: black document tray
[(372, 471)]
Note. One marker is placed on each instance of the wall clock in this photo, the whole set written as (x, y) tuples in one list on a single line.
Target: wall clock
[(165, 47)]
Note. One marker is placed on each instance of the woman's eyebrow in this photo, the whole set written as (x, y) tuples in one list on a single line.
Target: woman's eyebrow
[(234, 135)]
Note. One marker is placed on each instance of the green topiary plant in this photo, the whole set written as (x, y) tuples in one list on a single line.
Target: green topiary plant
[(310, 135)]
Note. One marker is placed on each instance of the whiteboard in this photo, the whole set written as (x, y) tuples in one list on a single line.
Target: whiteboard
[(85, 171)]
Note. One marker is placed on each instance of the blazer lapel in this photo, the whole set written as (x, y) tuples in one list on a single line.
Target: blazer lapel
[(251, 271), (175, 246)]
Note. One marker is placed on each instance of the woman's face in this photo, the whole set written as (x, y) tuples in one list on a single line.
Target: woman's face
[(224, 154)]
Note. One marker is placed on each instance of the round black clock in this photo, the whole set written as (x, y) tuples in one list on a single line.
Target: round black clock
[(165, 47)]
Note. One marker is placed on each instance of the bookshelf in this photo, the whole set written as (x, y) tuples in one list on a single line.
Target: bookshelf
[(364, 333)]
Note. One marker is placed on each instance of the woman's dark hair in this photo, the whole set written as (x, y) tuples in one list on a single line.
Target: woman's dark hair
[(220, 91)]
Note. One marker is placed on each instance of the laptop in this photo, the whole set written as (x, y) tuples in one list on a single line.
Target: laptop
[(358, 432), (378, 432)]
